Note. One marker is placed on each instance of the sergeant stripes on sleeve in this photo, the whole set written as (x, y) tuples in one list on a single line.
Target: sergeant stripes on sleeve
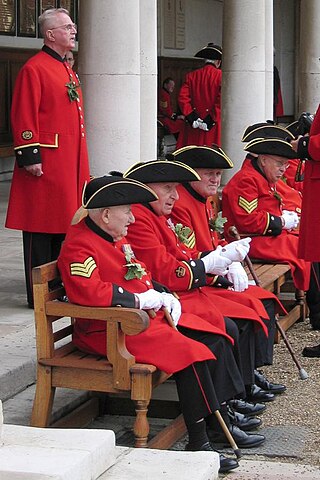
[(84, 269), (248, 206)]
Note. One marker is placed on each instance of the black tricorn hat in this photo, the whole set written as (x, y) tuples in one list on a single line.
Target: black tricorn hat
[(271, 146), (202, 157), (160, 171), (265, 130), (210, 52), (109, 191)]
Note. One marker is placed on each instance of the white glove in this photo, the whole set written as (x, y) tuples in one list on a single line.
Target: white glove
[(150, 299), (290, 220), (237, 275), (215, 263), (204, 126), (197, 123), (173, 305), (238, 250)]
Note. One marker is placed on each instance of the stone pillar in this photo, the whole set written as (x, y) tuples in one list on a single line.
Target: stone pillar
[(247, 79), (109, 68), (309, 64), (148, 80), (1, 424)]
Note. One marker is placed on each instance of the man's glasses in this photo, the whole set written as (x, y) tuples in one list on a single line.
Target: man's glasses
[(68, 27)]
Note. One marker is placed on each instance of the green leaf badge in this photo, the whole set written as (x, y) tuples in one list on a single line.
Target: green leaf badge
[(277, 196), (216, 224), (182, 232), (134, 269), (72, 91)]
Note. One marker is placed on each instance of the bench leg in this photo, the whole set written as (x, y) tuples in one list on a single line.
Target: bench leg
[(141, 426), (43, 400)]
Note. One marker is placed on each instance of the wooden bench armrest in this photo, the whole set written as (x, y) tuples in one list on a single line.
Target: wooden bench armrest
[(132, 321)]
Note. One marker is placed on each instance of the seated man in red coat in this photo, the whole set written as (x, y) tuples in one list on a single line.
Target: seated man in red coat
[(98, 267), (193, 212), (170, 119), (200, 98), (253, 203)]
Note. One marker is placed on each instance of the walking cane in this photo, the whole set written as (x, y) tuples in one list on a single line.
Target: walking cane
[(222, 423), (302, 373)]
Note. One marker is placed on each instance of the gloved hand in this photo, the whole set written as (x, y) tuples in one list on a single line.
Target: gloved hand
[(197, 123), (150, 299), (203, 126), (215, 263), (290, 220), (237, 275), (238, 250), (173, 306)]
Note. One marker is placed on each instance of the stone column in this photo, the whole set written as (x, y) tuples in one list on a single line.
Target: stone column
[(309, 61), (109, 68), (148, 80), (247, 79), (1, 424)]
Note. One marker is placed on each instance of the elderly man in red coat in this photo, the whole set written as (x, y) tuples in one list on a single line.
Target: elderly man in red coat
[(308, 147), (50, 145), (192, 210), (170, 119), (199, 100)]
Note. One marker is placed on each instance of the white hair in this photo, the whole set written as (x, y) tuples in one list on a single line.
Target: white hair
[(46, 16)]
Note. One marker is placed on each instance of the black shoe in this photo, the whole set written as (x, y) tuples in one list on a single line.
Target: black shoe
[(263, 383), (312, 352), (256, 394), (247, 408), (226, 464), (243, 421), (242, 439)]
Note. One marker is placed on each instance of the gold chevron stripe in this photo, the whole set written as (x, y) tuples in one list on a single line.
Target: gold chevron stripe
[(84, 269), (191, 240), (246, 205)]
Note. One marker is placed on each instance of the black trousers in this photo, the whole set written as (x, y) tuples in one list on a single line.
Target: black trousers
[(264, 345), (38, 248), (224, 371), (313, 294), (244, 346)]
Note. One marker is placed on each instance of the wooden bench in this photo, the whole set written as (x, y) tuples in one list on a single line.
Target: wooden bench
[(276, 278), (61, 364)]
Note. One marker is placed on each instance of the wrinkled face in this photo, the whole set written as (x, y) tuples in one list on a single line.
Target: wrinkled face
[(167, 193), (273, 166), (116, 221), (61, 31), (209, 183)]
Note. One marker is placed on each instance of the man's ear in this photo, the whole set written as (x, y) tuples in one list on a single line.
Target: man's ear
[(50, 36), (105, 215)]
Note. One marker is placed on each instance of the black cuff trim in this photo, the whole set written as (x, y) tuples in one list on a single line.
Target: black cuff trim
[(122, 298), (274, 227), (159, 287), (209, 121), (303, 148), (192, 117), (28, 155), (198, 273)]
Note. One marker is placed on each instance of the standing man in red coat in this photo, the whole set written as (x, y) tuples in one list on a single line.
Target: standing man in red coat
[(199, 100), (308, 147), (50, 145), (170, 119)]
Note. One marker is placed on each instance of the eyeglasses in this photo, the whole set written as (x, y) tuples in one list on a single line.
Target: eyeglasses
[(68, 27)]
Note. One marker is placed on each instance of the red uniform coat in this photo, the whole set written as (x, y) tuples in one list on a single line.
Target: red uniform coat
[(93, 270), (175, 265), (254, 206), (47, 128), (309, 244), (290, 175), (200, 96), (166, 115), (192, 211)]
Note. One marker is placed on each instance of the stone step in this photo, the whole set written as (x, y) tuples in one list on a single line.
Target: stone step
[(257, 470)]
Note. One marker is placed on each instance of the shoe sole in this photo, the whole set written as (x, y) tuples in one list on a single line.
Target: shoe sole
[(226, 470), (227, 444)]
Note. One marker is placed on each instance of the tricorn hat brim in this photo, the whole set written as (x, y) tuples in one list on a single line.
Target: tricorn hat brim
[(210, 52), (202, 157), (160, 171), (109, 191), (271, 146), (265, 130)]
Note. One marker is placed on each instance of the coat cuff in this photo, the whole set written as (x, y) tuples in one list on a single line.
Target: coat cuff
[(197, 273), (192, 117), (122, 298), (29, 155), (303, 148), (274, 226)]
